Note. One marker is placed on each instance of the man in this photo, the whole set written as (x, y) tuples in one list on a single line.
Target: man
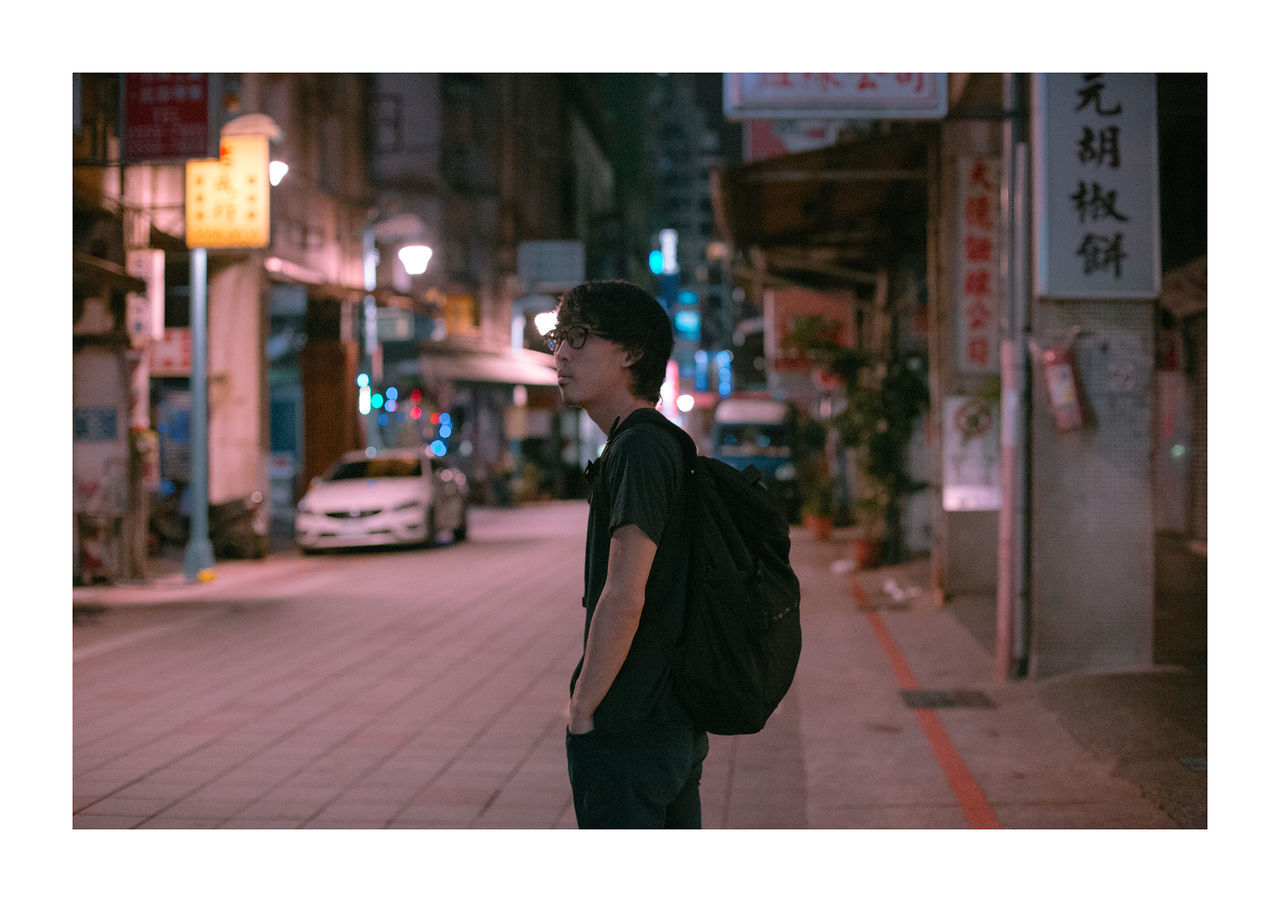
[(635, 757)]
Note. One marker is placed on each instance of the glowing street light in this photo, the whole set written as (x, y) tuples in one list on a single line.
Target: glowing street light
[(545, 322), (415, 258)]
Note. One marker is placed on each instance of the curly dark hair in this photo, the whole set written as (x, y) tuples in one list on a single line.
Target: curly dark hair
[(631, 316)]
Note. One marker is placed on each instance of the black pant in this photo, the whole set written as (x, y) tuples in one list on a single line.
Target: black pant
[(648, 780)]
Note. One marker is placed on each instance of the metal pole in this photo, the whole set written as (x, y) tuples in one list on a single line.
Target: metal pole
[(1014, 448), (199, 551), (369, 331), (1022, 359)]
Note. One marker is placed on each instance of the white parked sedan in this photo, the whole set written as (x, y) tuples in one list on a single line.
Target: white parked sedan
[(392, 497)]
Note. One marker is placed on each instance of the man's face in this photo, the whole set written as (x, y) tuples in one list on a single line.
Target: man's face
[(590, 367)]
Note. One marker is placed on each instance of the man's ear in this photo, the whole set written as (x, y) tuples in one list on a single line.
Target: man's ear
[(633, 357)]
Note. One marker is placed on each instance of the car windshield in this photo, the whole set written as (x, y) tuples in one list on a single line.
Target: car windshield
[(754, 441), (377, 468)]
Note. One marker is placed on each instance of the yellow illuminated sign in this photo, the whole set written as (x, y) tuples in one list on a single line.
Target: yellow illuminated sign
[(228, 199)]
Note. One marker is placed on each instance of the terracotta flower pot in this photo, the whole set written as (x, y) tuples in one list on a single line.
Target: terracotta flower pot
[(867, 551), (818, 525)]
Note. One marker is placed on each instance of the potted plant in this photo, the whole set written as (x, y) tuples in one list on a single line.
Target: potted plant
[(815, 511), (868, 531), (885, 392), (885, 397)]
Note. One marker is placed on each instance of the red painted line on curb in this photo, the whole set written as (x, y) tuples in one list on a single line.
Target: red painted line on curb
[(977, 810), (966, 789)]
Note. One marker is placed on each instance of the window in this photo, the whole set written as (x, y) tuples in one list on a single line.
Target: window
[(377, 468), (388, 128)]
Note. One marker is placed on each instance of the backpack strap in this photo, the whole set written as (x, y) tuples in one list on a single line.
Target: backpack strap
[(652, 416)]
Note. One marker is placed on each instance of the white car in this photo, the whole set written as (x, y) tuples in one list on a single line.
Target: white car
[(392, 497)]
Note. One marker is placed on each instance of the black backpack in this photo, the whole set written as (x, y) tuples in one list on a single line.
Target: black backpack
[(741, 642)]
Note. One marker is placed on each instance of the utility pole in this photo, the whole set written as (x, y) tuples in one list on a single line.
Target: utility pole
[(198, 556), (1012, 553)]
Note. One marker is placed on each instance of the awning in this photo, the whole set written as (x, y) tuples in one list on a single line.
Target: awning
[(834, 214), (105, 272), (448, 362)]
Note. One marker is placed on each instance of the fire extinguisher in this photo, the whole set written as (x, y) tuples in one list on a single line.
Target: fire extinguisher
[(1059, 366)]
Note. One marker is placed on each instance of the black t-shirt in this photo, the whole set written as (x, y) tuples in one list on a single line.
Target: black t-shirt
[(640, 481)]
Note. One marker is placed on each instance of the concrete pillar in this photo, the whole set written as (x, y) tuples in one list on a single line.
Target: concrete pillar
[(238, 440), (965, 543), (1092, 513)]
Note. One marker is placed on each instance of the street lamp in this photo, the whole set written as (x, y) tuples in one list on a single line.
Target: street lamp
[(415, 258), (277, 171), (406, 229), (545, 322)]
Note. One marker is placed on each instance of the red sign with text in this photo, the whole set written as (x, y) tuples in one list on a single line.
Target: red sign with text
[(166, 116), (978, 266)]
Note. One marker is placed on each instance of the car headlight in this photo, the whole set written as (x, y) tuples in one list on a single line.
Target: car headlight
[(786, 473)]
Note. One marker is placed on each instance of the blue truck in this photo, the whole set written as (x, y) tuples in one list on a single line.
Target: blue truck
[(760, 432)]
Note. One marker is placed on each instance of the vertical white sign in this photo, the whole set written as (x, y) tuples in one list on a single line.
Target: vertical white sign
[(146, 311), (971, 454), (978, 266), (1097, 195)]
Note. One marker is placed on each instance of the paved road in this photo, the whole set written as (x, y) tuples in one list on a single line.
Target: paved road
[(417, 688), (409, 689)]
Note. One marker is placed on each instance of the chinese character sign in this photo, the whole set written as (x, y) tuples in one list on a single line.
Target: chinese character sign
[(228, 199), (1097, 188), (166, 116), (838, 95), (978, 266)]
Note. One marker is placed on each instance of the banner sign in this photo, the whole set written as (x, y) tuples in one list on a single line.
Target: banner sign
[(977, 251), (228, 199), (145, 312), (171, 355), (835, 95), (1097, 197), (765, 138), (784, 306), (166, 117)]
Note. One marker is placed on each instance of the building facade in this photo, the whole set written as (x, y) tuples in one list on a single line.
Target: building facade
[(1054, 449), (305, 333)]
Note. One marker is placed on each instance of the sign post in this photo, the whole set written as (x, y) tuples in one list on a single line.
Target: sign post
[(227, 206), (198, 556)]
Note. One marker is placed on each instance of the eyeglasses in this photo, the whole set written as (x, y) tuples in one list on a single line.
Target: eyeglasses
[(574, 336)]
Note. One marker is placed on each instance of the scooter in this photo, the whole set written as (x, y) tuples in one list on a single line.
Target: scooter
[(233, 530)]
